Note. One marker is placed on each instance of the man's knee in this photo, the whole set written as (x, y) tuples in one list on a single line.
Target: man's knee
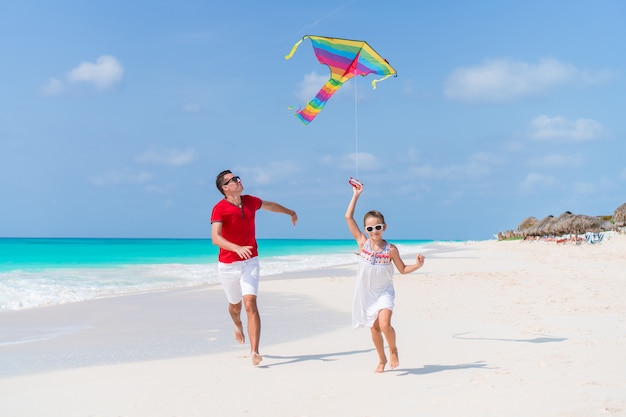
[(249, 302), (235, 308)]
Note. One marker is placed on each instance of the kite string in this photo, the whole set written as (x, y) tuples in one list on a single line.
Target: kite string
[(356, 132)]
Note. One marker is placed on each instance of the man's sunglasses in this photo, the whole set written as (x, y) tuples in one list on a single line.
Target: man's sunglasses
[(377, 227), (235, 178)]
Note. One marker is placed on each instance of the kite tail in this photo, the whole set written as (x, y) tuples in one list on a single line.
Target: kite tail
[(319, 101), (293, 50), (382, 79)]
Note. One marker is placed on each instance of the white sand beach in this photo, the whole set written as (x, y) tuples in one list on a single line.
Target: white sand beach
[(484, 329)]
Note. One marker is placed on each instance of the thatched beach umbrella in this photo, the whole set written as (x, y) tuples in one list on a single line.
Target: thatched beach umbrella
[(559, 226), (606, 225), (537, 229), (581, 223), (619, 216), (547, 227), (527, 223), (601, 225)]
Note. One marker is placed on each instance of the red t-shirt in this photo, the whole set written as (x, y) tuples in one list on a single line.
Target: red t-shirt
[(237, 225)]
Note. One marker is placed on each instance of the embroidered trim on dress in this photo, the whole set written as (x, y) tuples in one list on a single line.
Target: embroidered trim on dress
[(375, 258)]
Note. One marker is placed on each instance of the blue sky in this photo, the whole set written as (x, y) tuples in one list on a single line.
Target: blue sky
[(116, 116)]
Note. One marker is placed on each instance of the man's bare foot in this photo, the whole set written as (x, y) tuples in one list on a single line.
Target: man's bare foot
[(239, 334), (256, 358), (394, 361), (381, 367)]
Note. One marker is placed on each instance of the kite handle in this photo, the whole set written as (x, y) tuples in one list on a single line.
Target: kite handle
[(355, 183)]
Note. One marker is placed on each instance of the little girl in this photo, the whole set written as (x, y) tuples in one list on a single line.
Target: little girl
[(374, 294)]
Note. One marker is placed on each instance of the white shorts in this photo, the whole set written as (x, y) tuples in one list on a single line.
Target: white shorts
[(239, 278)]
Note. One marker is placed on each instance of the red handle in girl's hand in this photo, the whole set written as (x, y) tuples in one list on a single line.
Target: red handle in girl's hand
[(354, 183)]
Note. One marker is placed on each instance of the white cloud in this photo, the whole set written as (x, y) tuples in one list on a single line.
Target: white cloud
[(53, 87), (333, 12), (487, 158), (428, 171), (104, 74), (557, 161), (585, 188), (497, 80), (157, 189), (121, 177), (536, 180), (271, 173), (171, 157), (471, 169), (599, 186), (309, 87), (364, 161), (349, 162), (548, 128)]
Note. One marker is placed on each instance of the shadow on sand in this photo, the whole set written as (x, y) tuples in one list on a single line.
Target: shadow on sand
[(535, 340), (324, 357), (329, 357), (431, 369)]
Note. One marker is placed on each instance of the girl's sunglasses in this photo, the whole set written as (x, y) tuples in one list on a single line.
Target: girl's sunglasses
[(377, 227)]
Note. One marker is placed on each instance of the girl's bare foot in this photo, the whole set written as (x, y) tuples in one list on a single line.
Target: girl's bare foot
[(381, 367), (256, 358), (394, 361), (239, 334)]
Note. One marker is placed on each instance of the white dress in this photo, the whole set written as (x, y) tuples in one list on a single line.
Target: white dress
[(374, 285)]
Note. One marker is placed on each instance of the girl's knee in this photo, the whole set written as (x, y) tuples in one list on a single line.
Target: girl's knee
[(384, 320), (375, 327), (376, 334), (386, 327)]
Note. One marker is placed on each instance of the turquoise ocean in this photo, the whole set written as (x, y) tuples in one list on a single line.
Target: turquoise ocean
[(37, 272)]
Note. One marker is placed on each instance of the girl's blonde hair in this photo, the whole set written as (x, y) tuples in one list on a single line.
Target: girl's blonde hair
[(374, 213)]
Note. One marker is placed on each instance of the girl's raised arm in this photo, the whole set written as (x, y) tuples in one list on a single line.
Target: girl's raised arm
[(352, 225)]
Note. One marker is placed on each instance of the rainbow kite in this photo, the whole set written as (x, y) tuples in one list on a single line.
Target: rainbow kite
[(345, 58)]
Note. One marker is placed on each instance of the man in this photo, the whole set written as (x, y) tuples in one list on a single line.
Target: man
[(233, 230)]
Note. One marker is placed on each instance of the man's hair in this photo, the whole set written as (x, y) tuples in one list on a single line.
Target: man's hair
[(374, 213), (219, 181)]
